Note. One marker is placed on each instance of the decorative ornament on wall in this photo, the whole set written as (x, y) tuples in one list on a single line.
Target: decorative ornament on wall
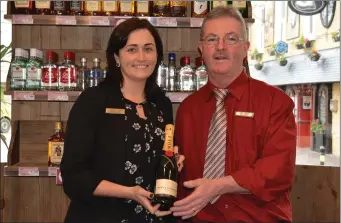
[(327, 14), (307, 7)]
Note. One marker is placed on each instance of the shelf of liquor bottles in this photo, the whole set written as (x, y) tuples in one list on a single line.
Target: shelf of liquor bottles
[(175, 97), (180, 22)]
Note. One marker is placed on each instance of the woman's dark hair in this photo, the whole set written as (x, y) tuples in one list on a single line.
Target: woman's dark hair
[(118, 40)]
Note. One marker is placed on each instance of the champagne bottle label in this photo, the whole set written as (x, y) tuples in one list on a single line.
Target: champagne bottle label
[(168, 146), (168, 187), (56, 151)]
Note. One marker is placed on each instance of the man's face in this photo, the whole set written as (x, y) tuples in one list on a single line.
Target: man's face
[(223, 57)]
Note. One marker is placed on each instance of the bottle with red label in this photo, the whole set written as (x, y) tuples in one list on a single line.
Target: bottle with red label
[(49, 74), (67, 73)]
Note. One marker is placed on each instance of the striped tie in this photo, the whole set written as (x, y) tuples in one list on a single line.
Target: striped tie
[(216, 144)]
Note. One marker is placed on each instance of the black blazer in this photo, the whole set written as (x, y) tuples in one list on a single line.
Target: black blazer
[(94, 142)]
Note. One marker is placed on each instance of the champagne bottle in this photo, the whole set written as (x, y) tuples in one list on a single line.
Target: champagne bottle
[(167, 174)]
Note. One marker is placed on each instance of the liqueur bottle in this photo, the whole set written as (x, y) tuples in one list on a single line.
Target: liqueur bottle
[(167, 173), (56, 146)]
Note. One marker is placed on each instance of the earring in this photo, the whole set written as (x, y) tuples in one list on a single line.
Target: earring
[(118, 64)]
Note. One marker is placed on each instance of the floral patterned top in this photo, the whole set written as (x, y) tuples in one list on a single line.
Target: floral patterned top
[(144, 142)]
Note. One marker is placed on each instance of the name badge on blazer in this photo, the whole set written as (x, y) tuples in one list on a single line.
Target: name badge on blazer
[(244, 114), (115, 111)]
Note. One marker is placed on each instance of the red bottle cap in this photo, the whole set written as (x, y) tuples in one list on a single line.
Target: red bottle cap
[(68, 55), (186, 60), (51, 55), (199, 61)]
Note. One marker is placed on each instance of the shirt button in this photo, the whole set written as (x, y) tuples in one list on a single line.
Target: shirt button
[(226, 206)]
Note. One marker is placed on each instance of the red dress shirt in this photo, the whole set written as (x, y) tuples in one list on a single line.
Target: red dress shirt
[(260, 151)]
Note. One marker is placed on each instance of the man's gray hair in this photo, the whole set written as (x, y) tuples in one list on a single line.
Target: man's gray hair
[(222, 11)]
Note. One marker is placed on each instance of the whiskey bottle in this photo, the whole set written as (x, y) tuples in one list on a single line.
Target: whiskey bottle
[(43, 7), (127, 8), (199, 8), (56, 146), (76, 8), (161, 8), (142, 8), (242, 7), (167, 173), (178, 8), (22, 7), (93, 8), (111, 8), (60, 8)]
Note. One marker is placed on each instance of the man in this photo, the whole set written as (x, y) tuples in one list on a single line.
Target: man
[(238, 136)]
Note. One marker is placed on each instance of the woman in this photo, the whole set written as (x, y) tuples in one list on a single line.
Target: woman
[(114, 134)]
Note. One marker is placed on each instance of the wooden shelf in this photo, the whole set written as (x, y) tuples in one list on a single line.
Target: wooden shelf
[(104, 20), (175, 97)]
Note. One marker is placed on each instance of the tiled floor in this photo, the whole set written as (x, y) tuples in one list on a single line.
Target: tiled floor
[(305, 156)]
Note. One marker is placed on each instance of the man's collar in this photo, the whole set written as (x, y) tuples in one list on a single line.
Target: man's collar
[(236, 88)]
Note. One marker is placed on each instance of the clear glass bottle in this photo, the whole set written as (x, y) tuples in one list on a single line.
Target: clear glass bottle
[(83, 73), (33, 69), (200, 73), (96, 73), (49, 76), (67, 73), (105, 71), (161, 8), (162, 74), (186, 76), (171, 72), (18, 70)]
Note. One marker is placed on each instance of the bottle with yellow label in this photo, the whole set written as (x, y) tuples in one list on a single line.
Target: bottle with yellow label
[(142, 8), (178, 8), (93, 8), (161, 8), (127, 8), (111, 8), (219, 3), (56, 146)]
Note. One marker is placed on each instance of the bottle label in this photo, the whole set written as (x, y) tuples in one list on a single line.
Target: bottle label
[(67, 77), (49, 77), (143, 6), (239, 4), (219, 3), (42, 4), (200, 7), (33, 73), (75, 5), (59, 5), (161, 3), (179, 3), (22, 4), (110, 6), (92, 5), (126, 6), (165, 186), (18, 73), (56, 151)]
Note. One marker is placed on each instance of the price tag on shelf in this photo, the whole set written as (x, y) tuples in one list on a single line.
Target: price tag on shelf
[(99, 21), (23, 95), (196, 22), (167, 22), (57, 96), (28, 171), (59, 180), (66, 20), (22, 19)]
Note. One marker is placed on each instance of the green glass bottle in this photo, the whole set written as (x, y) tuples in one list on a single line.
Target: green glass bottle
[(33, 69), (18, 70)]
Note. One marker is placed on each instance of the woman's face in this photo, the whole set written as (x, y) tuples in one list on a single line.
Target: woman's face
[(138, 57)]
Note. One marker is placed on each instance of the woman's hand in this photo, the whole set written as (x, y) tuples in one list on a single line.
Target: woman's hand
[(144, 197), (179, 158)]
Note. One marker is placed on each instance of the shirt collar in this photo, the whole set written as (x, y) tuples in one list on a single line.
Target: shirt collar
[(236, 88)]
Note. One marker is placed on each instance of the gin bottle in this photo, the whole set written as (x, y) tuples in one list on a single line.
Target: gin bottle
[(186, 76), (33, 69), (18, 70), (161, 78), (200, 73)]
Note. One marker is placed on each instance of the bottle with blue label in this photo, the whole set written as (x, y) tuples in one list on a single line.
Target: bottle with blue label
[(96, 73)]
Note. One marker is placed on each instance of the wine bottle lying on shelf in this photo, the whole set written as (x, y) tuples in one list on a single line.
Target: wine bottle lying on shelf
[(166, 186)]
